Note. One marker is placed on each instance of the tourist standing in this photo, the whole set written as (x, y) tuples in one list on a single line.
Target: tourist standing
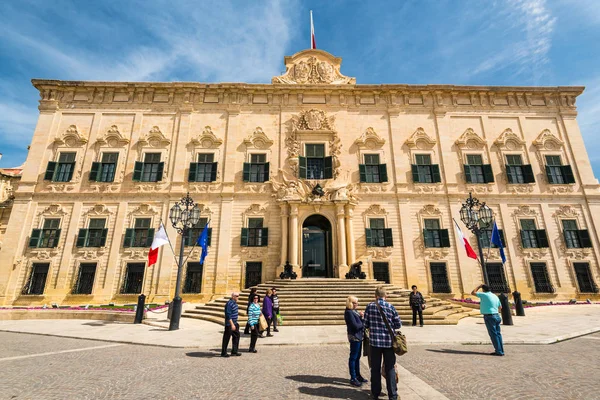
[(267, 310), (381, 342), (232, 328), (417, 303), (253, 316), (355, 330), (250, 297), (489, 304), (275, 299)]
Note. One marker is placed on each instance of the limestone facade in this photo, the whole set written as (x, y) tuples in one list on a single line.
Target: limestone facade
[(396, 125)]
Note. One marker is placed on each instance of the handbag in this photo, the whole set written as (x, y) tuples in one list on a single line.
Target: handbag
[(262, 323), (279, 319), (383, 373), (398, 339)]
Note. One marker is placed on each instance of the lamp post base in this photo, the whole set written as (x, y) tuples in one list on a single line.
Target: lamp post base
[(175, 314)]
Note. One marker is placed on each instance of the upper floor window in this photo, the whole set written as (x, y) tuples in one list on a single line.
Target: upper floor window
[(141, 235), (94, 235), (516, 171), (372, 171), (47, 236), (255, 235), (558, 173), (531, 237), (377, 234), (314, 165), (105, 170), (151, 170), (476, 171), (192, 235), (575, 237), (433, 235), (205, 170), (425, 172), (486, 238), (61, 171), (257, 170)]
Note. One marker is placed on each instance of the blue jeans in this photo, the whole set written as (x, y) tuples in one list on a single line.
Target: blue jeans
[(354, 361), (492, 323)]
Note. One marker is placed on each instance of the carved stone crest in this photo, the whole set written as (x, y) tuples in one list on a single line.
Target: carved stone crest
[(313, 67), (312, 120)]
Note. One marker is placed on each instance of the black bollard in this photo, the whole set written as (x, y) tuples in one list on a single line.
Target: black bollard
[(506, 313), (139, 313), (518, 304)]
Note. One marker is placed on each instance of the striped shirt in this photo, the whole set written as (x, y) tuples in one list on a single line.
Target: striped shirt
[(378, 332), (275, 302), (231, 311), (253, 314)]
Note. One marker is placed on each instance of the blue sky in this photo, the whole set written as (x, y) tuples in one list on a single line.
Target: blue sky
[(466, 42)]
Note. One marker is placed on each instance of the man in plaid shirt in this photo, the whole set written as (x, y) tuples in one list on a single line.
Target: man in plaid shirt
[(381, 343)]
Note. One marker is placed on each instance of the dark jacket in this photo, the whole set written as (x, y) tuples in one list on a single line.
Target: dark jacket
[(416, 299), (354, 324)]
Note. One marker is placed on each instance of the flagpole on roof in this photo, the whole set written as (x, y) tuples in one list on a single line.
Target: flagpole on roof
[(313, 42)]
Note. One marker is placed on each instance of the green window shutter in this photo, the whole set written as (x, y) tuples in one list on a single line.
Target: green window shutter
[(103, 237), (94, 171), (549, 175), (584, 238), (444, 238), (427, 238), (188, 240), (159, 173), (528, 176), (71, 171), (415, 173), (488, 173), (193, 172), (57, 238), (213, 172), (209, 241), (150, 237), (501, 232), (362, 171), (49, 175), (435, 173), (568, 174), (246, 172), (244, 241), (82, 238), (467, 173), (137, 171), (510, 174), (265, 237), (34, 239), (388, 237), (383, 177), (369, 236), (523, 239), (302, 167), (267, 171), (328, 167), (129, 233), (542, 239)]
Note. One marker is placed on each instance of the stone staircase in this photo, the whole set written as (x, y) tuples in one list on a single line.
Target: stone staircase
[(322, 302)]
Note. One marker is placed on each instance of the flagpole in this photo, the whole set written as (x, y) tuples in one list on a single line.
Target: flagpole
[(311, 30), (169, 239)]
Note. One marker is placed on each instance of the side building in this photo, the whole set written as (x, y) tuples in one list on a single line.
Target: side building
[(313, 169)]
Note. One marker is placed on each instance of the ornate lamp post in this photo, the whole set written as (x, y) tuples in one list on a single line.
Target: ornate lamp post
[(477, 216), (183, 215)]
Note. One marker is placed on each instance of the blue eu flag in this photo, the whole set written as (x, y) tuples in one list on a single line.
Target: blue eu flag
[(497, 240), (203, 242)]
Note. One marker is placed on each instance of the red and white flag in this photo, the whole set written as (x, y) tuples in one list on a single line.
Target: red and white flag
[(160, 239), (470, 252), (313, 42)]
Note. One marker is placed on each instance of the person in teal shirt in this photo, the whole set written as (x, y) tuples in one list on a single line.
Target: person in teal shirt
[(489, 304)]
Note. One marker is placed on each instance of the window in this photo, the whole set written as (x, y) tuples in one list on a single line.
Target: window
[(151, 170), (48, 236), (104, 171), (255, 235), (378, 235), (37, 279), (85, 279), (584, 278), (141, 235), (94, 236), (372, 171), (433, 235), (558, 173), (439, 278), (497, 278), (253, 274), (531, 237), (574, 237), (315, 165), (61, 171), (194, 233), (476, 171), (486, 238), (381, 272), (193, 278), (257, 170), (541, 280), (205, 170), (425, 172), (516, 171), (134, 277)]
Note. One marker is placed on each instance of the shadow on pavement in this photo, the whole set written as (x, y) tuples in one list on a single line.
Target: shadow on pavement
[(450, 351), (324, 380), (202, 354), (332, 392), (100, 323)]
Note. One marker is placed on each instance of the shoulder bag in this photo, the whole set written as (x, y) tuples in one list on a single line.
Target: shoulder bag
[(398, 339)]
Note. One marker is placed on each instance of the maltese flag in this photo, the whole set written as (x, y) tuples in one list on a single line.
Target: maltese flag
[(313, 42), (470, 252), (160, 239)]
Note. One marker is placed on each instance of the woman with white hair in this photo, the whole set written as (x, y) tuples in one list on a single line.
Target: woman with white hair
[(355, 329)]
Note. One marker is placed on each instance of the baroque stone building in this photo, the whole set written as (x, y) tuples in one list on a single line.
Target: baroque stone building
[(313, 169)]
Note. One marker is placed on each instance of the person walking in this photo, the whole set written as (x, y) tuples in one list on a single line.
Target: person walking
[(381, 342), (253, 316), (275, 299), (250, 297), (417, 303), (489, 306), (232, 328), (355, 330), (267, 310)]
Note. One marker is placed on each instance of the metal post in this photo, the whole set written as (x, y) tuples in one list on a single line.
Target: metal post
[(176, 310), (477, 233), (506, 313), (139, 312), (518, 304)]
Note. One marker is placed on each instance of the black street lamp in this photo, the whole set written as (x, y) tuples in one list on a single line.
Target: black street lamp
[(183, 215), (477, 216)]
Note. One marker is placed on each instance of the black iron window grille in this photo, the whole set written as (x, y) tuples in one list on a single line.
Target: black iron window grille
[(48, 236), (253, 274), (425, 172), (37, 279), (193, 278), (134, 278), (104, 171), (141, 235), (541, 279), (497, 278), (584, 278), (61, 171), (257, 170), (205, 170), (381, 272), (439, 278), (85, 279), (151, 170)]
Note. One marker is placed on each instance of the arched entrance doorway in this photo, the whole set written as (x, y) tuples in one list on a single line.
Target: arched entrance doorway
[(316, 247)]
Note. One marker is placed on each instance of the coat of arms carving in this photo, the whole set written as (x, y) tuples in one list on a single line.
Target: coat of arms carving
[(313, 67)]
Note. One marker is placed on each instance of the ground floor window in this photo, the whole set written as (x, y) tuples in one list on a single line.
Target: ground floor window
[(497, 278), (193, 278), (85, 279), (541, 279), (253, 273), (37, 279), (439, 278), (134, 277), (381, 271), (584, 278)]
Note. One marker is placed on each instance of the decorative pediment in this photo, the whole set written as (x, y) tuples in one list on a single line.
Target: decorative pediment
[(524, 211), (258, 139), (547, 141), (144, 209), (113, 138), (53, 210), (369, 139), (71, 138), (207, 139), (430, 210), (566, 212), (255, 209), (313, 67), (470, 140), (509, 140), (375, 209), (98, 209), (312, 120), (154, 138), (420, 140)]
